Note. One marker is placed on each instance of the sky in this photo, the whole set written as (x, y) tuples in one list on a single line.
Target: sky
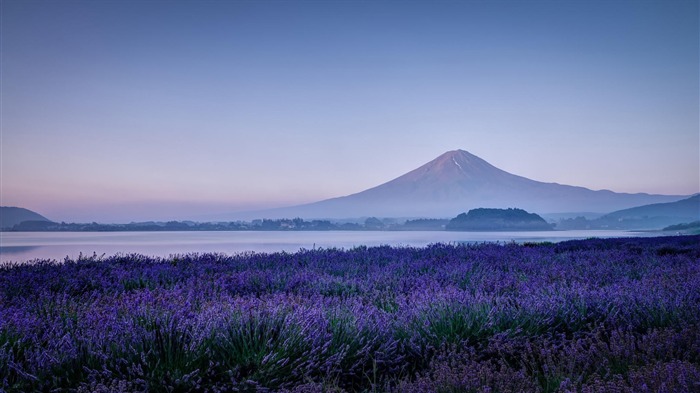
[(120, 111)]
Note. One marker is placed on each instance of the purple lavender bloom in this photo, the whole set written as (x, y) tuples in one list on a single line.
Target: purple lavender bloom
[(581, 316)]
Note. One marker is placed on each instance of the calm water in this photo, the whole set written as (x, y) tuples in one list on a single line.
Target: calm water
[(27, 246)]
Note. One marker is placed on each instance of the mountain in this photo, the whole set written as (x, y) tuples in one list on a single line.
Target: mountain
[(458, 181), (11, 216)]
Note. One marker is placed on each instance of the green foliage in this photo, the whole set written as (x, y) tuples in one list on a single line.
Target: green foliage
[(13, 360), (265, 347), (455, 323)]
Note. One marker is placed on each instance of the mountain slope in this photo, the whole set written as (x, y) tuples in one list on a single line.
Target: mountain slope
[(458, 181), (686, 208), (655, 216), (648, 217), (11, 216)]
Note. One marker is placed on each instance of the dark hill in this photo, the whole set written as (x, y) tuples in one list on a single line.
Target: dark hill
[(498, 220), (11, 216)]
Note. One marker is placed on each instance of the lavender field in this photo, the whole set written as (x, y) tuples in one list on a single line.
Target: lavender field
[(615, 315)]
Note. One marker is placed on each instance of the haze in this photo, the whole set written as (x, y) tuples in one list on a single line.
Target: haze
[(128, 111)]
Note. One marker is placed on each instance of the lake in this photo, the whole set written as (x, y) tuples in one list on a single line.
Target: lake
[(27, 246)]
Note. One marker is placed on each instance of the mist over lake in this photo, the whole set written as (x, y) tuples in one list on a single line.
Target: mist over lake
[(27, 246)]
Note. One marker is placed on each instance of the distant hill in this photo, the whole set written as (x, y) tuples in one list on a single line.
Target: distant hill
[(11, 216), (456, 181), (654, 216), (690, 227), (685, 208), (498, 220)]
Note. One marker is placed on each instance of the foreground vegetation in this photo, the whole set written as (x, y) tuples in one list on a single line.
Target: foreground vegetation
[(581, 316)]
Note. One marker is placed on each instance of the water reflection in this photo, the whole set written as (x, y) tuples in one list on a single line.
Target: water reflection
[(28, 246), (17, 249)]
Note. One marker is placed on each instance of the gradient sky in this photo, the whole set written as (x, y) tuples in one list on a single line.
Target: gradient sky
[(114, 111)]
